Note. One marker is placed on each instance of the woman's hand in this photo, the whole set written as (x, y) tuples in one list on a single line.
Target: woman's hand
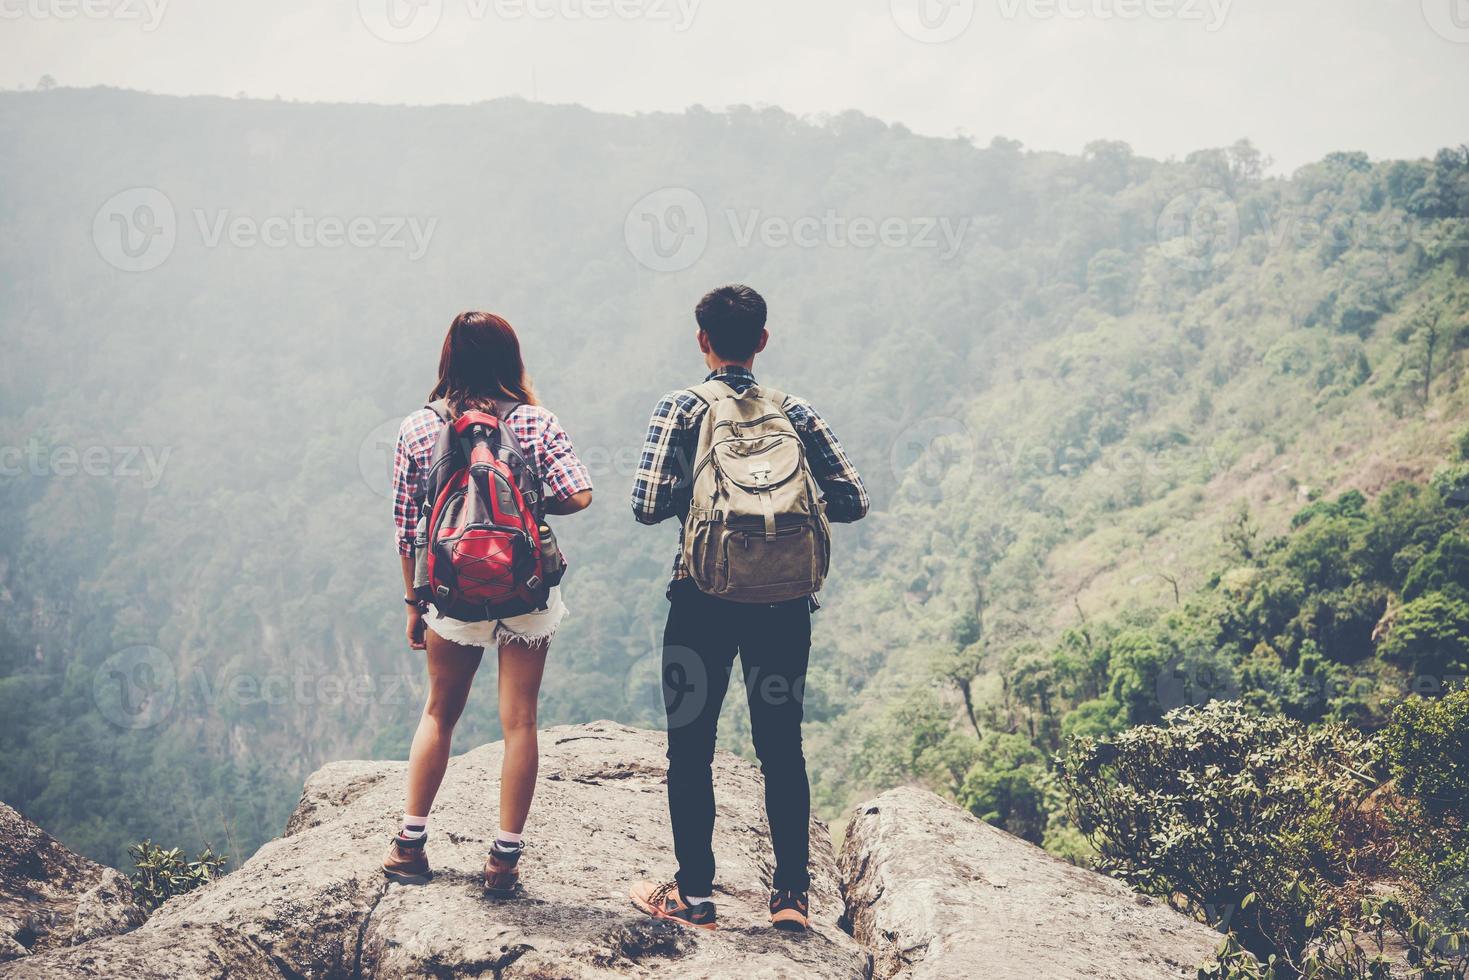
[(415, 630)]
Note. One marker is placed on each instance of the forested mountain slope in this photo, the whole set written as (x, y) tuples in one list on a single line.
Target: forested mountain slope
[(1063, 377)]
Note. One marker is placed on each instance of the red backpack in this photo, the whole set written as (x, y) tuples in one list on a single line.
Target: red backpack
[(483, 550)]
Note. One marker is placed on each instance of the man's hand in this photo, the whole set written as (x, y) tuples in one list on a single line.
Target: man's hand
[(415, 630)]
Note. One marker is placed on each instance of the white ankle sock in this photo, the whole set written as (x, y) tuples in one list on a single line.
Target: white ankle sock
[(506, 837), (420, 823), (697, 899)]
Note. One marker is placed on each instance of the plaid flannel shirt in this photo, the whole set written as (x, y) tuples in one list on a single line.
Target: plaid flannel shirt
[(544, 443), (663, 485)]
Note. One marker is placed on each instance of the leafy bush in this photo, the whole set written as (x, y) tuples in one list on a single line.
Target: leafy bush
[(1244, 816), (1453, 484), (1430, 636), (159, 874), (1444, 569), (1384, 883), (1426, 752), (1386, 934), (1005, 786), (1427, 749)]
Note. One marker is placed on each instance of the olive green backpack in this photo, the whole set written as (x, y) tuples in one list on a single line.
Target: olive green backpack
[(756, 529)]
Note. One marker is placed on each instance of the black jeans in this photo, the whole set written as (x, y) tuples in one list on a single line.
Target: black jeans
[(699, 646)]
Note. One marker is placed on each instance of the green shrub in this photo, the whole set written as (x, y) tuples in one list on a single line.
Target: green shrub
[(1386, 933), (1244, 816), (1453, 484), (1430, 636), (159, 874), (1427, 749), (1005, 786), (1444, 569)]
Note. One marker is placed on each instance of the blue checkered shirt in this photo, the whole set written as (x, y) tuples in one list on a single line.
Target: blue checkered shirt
[(662, 488)]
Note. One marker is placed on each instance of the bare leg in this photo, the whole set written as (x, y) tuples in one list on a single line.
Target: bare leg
[(451, 670), (521, 667)]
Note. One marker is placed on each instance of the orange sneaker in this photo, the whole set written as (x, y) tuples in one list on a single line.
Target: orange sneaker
[(502, 873), (407, 861), (664, 902), (790, 910)]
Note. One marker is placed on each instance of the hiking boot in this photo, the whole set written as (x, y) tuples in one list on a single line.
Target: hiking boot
[(502, 872), (407, 861), (665, 902), (790, 910)]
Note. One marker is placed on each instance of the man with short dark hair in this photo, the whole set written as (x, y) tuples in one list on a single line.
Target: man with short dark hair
[(705, 632)]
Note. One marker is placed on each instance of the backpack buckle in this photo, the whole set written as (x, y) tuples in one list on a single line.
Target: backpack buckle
[(442, 592), (534, 582)]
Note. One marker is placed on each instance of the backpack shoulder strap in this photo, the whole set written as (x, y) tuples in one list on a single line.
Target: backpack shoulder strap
[(439, 407), (534, 494), (711, 391), (779, 399), (774, 395)]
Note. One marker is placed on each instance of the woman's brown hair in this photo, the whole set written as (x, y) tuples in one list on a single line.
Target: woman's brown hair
[(481, 363)]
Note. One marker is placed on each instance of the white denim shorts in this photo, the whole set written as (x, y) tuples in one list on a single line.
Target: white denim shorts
[(534, 628)]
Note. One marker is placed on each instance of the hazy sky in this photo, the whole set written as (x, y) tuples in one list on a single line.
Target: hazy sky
[(1299, 77)]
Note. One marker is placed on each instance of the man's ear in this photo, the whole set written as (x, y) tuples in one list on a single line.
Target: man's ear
[(764, 339), (703, 341)]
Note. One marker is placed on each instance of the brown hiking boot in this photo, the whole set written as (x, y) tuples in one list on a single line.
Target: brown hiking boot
[(502, 873), (407, 861), (790, 910), (666, 902)]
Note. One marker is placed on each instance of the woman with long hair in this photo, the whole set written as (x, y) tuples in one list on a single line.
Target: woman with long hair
[(480, 370)]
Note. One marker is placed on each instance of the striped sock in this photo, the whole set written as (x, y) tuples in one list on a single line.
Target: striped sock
[(414, 827)]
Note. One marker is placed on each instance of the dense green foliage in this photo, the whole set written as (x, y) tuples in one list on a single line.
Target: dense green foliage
[(1355, 608), (1059, 422), (1428, 750), (1232, 810), (1292, 838)]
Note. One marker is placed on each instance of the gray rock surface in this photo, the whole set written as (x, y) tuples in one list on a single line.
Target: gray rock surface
[(314, 903), (931, 891), (52, 897), (937, 893)]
